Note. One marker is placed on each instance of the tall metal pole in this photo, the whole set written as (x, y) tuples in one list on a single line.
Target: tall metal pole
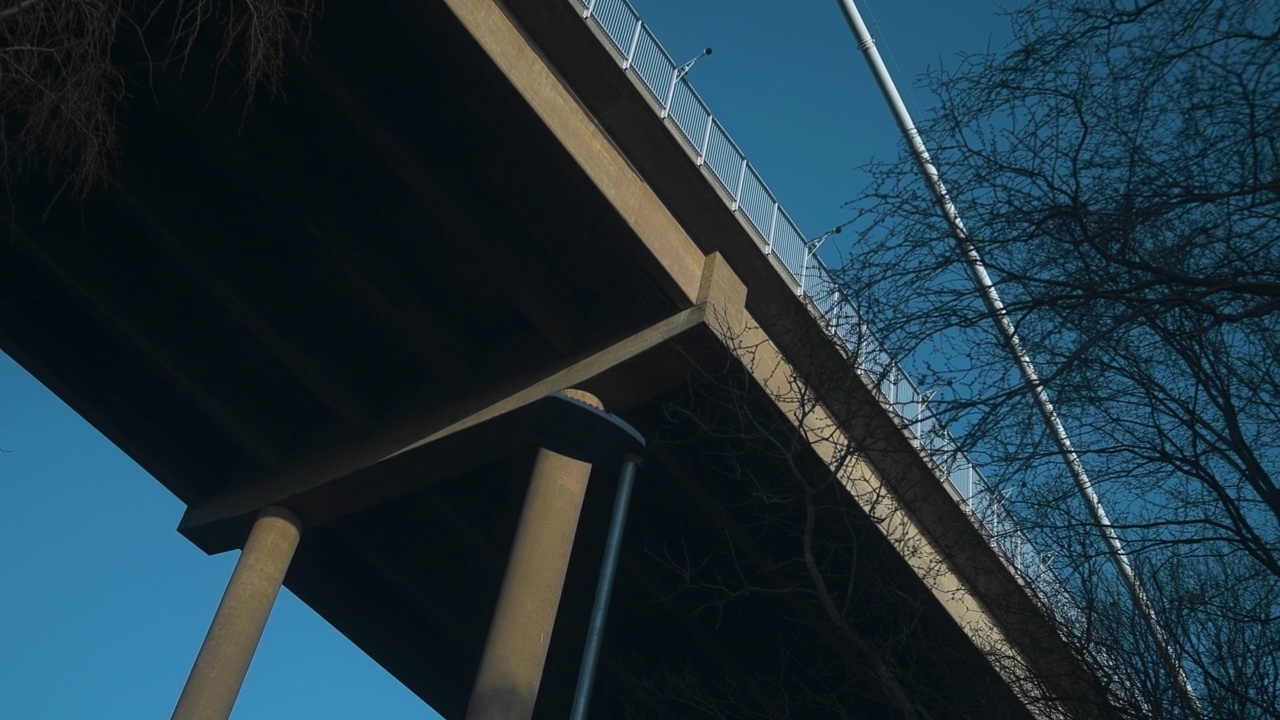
[(604, 589), (978, 271)]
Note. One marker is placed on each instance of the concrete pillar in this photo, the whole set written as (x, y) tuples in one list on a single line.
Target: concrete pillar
[(224, 657), (516, 649)]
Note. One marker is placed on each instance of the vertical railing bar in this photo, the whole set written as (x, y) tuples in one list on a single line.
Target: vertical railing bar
[(706, 138), (737, 195), (773, 226), (591, 6), (631, 51), (671, 91), (804, 272)]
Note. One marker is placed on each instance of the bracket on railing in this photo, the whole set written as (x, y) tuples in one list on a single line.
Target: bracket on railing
[(811, 249), (676, 74)]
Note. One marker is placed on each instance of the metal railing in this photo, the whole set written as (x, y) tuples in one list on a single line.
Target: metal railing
[(639, 52)]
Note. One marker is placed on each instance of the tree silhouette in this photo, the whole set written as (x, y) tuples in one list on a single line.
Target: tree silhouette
[(65, 69), (1119, 168)]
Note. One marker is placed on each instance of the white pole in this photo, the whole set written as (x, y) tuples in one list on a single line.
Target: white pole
[(978, 271)]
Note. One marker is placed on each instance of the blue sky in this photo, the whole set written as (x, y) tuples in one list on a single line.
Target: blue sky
[(101, 618)]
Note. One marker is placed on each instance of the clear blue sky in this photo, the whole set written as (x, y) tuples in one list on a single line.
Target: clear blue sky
[(102, 619)]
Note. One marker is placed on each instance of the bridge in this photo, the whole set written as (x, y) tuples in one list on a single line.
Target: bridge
[(329, 327)]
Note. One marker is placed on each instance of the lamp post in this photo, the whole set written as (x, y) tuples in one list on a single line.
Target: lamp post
[(604, 589)]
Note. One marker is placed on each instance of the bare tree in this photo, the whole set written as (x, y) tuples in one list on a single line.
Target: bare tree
[(1119, 168), (63, 69), (806, 530)]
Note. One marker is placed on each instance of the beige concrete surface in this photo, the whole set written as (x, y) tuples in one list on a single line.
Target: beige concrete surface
[(237, 625), (515, 650)]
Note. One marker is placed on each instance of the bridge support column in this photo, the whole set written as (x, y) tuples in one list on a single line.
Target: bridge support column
[(237, 626), (506, 685)]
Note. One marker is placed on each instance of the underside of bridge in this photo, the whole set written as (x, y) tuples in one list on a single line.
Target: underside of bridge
[(397, 248)]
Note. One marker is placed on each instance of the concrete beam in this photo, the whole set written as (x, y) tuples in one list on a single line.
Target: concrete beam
[(446, 444), (417, 453), (424, 450)]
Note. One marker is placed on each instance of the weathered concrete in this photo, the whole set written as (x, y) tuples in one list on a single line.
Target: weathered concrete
[(506, 685), (237, 626), (661, 218)]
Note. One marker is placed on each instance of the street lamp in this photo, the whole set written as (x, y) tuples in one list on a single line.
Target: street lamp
[(810, 249), (678, 73)]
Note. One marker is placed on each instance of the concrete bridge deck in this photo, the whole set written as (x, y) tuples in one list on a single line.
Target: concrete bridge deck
[(342, 302)]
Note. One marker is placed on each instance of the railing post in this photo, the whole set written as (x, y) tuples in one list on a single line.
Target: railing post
[(631, 49), (591, 5), (706, 138), (804, 271), (671, 91), (836, 300), (737, 195), (773, 225), (917, 424)]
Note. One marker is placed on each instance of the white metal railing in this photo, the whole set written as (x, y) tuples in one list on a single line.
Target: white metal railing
[(640, 53)]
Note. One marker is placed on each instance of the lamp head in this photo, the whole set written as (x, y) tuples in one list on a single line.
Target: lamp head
[(813, 244), (680, 71)]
